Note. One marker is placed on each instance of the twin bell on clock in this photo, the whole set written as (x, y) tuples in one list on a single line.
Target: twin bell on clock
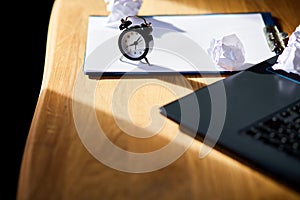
[(135, 41)]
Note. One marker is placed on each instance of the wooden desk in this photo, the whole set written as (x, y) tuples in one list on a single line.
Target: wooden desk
[(57, 164)]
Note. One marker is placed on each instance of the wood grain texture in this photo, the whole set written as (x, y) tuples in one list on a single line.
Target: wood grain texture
[(58, 165)]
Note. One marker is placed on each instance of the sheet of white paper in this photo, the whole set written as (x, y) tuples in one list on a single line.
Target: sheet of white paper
[(180, 43)]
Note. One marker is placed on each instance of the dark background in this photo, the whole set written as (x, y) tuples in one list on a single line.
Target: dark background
[(26, 56)]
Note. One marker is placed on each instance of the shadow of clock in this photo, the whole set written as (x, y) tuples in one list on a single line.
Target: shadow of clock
[(144, 67), (164, 27)]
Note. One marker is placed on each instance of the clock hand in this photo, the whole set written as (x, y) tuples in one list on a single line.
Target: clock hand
[(137, 41), (133, 44)]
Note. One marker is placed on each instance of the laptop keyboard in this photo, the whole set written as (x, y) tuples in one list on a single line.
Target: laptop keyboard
[(281, 130)]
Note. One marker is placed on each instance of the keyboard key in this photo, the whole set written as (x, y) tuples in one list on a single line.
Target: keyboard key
[(281, 130)]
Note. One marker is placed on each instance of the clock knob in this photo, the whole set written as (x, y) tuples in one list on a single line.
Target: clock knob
[(124, 24)]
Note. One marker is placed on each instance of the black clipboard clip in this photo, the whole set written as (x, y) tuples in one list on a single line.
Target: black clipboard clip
[(277, 40)]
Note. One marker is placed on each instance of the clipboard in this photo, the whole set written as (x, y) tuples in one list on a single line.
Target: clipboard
[(181, 43)]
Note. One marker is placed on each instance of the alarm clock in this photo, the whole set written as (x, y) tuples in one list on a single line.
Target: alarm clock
[(135, 41)]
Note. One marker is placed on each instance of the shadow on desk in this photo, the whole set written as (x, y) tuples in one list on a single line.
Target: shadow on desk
[(58, 165)]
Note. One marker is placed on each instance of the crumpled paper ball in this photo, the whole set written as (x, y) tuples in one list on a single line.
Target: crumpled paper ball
[(120, 9), (289, 59), (227, 52)]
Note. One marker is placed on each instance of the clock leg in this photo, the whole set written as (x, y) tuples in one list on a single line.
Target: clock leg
[(147, 61), (121, 58)]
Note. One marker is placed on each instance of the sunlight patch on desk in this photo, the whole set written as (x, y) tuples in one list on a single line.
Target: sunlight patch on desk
[(97, 143)]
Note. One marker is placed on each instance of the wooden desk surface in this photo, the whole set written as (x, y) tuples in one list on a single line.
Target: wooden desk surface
[(57, 164)]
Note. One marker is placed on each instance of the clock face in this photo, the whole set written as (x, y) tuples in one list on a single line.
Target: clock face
[(133, 45)]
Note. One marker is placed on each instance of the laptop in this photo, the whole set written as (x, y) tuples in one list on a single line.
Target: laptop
[(253, 116)]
